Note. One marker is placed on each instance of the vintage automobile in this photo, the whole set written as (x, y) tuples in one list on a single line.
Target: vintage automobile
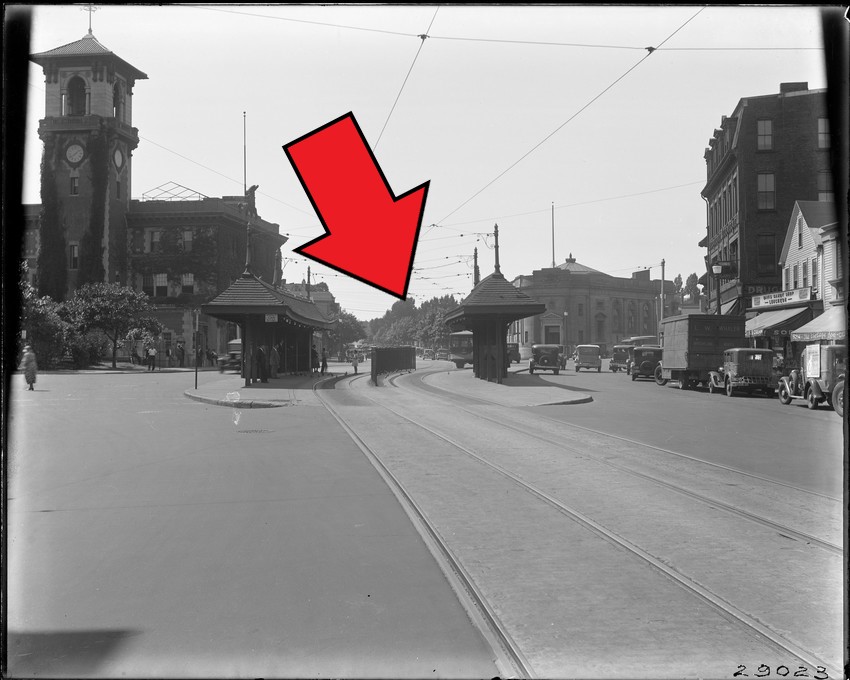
[(644, 361), (546, 358), (513, 353), (820, 380), (619, 358), (428, 354), (744, 369), (442, 353), (232, 361), (588, 356)]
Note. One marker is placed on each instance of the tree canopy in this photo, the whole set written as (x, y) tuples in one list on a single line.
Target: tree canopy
[(112, 309)]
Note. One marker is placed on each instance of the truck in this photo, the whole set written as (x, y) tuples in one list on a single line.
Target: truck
[(693, 345)]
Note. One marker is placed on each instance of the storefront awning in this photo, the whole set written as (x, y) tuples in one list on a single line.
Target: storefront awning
[(777, 321), (831, 325)]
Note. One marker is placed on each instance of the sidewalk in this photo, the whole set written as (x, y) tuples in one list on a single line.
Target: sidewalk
[(518, 389)]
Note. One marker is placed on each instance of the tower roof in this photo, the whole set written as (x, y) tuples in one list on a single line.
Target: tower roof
[(87, 46)]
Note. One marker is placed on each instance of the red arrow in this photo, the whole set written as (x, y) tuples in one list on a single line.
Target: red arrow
[(370, 234)]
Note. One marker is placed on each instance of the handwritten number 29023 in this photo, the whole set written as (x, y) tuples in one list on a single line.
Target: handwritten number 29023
[(763, 671)]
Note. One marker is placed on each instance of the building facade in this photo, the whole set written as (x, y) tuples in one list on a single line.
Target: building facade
[(180, 247), (769, 152), (586, 306), (813, 293)]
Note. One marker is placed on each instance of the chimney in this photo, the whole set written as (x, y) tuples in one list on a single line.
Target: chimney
[(785, 88)]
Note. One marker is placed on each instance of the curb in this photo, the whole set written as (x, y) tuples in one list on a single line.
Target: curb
[(240, 403)]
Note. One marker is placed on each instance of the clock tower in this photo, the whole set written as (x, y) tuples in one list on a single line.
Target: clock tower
[(86, 167)]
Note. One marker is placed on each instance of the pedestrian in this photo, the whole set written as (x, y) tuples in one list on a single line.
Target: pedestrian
[(314, 360), (262, 368), (324, 361), (29, 367), (354, 361), (274, 361), (151, 358), (181, 354)]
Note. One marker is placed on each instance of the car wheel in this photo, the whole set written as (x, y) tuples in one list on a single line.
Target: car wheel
[(838, 399), (730, 391), (811, 399), (659, 379), (784, 394)]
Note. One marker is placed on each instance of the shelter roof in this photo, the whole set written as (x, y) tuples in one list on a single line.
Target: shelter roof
[(249, 295), (494, 297)]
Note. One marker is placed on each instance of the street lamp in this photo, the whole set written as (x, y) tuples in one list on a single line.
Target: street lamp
[(718, 270)]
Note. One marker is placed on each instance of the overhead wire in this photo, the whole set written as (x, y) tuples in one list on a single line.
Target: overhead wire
[(649, 53), (422, 37)]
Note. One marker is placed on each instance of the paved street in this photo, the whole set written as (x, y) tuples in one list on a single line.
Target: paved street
[(155, 535)]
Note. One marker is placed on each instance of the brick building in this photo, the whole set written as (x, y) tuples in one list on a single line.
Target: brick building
[(180, 247), (770, 152)]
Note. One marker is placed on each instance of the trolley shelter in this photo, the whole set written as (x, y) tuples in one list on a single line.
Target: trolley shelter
[(269, 317), (488, 311)]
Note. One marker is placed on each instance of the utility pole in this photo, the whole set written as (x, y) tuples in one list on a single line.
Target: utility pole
[(662, 289)]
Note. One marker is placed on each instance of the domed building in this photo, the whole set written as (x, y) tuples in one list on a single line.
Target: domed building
[(586, 306)]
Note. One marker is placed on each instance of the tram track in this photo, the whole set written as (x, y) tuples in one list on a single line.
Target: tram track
[(787, 531), (748, 622), (508, 656)]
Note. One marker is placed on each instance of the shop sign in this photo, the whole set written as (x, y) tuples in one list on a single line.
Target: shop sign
[(782, 298), (271, 318)]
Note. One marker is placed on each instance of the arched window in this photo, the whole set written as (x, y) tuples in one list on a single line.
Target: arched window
[(76, 97), (118, 101), (631, 317), (645, 317)]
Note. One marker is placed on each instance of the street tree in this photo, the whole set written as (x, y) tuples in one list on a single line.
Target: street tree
[(40, 319), (113, 310), (692, 286), (347, 329)]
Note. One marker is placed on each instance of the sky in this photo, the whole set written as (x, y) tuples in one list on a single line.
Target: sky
[(546, 120)]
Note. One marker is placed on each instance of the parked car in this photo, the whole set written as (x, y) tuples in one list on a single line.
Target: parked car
[(428, 354), (588, 356), (820, 380), (232, 361), (644, 362), (619, 357), (744, 369), (546, 358), (513, 353), (442, 354)]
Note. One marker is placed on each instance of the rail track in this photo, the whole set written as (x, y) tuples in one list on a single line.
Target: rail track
[(508, 649)]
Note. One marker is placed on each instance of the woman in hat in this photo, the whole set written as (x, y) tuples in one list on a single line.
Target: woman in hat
[(29, 366)]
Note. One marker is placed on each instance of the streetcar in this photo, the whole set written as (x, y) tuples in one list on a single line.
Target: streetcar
[(460, 348)]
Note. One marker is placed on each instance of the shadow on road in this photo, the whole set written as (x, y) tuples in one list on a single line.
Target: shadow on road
[(526, 380), (62, 653)]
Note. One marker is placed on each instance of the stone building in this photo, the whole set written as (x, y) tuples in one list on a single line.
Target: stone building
[(771, 151), (586, 306)]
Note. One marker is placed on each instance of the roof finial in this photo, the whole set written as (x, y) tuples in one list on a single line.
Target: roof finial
[(476, 275), (91, 9)]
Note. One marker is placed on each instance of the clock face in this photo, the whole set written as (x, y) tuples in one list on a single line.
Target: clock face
[(74, 153), (118, 157)]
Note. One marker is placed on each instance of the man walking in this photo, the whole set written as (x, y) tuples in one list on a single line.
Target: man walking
[(151, 358)]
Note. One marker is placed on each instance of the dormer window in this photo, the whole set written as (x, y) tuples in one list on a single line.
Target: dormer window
[(76, 97)]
